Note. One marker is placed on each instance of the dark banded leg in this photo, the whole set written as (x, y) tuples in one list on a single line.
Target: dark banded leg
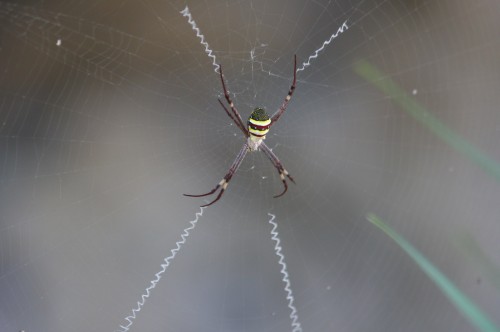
[(244, 130), (283, 106), (225, 181), (279, 166), (236, 114)]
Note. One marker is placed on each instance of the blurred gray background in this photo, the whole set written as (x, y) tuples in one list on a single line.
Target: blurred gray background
[(109, 112)]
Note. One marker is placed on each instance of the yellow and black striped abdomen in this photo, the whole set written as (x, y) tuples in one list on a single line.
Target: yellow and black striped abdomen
[(259, 123)]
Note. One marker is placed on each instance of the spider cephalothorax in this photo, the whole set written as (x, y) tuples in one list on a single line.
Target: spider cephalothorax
[(255, 131)]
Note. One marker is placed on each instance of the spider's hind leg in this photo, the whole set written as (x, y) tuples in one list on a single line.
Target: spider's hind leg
[(225, 181), (283, 172), (222, 184), (209, 193), (279, 166)]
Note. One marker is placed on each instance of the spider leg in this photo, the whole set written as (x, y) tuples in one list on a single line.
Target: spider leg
[(279, 166), (225, 180), (236, 114), (245, 132), (209, 193), (283, 106)]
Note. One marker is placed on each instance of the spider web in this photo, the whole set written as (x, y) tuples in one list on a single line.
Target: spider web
[(109, 113)]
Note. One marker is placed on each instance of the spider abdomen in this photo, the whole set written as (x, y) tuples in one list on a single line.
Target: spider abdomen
[(259, 123)]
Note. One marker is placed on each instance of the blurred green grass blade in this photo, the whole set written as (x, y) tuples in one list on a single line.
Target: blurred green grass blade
[(472, 250), (418, 112), (465, 306)]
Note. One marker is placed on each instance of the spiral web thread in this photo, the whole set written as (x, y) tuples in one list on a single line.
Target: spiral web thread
[(158, 275), (277, 248)]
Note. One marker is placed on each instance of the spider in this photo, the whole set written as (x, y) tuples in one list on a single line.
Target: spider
[(258, 125)]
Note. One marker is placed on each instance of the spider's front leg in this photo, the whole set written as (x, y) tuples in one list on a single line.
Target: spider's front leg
[(283, 106), (225, 181), (236, 117)]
